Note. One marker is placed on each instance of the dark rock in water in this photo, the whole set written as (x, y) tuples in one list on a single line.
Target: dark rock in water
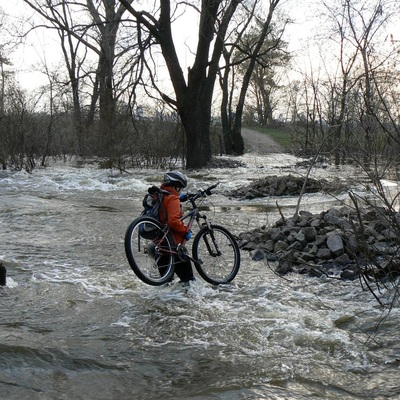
[(344, 260), (284, 267), (315, 273), (349, 274), (270, 256), (257, 255), (3, 275), (249, 196)]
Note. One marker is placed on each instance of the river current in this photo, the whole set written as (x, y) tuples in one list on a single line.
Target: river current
[(76, 323)]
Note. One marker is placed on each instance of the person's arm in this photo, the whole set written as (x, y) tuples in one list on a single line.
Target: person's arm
[(173, 209)]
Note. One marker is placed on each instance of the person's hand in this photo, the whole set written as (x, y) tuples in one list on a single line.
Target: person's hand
[(183, 197), (188, 235)]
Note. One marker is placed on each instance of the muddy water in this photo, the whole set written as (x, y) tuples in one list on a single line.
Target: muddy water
[(75, 323)]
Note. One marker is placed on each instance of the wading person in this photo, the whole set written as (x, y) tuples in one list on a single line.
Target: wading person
[(174, 182)]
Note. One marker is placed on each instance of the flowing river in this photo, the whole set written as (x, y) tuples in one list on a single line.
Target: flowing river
[(76, 323)]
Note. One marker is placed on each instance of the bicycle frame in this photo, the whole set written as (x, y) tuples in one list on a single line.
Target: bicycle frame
[(194, 215)]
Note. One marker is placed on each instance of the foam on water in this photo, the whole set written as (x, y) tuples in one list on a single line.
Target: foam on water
[(66, 178)]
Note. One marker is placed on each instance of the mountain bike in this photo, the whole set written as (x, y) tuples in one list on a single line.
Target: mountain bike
[(152, 255)]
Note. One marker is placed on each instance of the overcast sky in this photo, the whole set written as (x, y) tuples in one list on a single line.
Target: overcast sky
[(42, 47)]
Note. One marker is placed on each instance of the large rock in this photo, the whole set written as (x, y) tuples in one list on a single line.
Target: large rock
[(330, 241), (310, 233), (335, 244)]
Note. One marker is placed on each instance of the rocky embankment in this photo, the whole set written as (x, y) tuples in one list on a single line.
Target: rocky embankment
[(341, 242), (334, 242), (289, 185)]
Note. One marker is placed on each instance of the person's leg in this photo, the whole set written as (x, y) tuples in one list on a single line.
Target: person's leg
[(184, 271)]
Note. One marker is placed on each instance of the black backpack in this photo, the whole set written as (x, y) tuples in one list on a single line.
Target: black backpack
[(152, 202)]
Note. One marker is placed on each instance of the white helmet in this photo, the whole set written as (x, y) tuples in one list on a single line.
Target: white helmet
[(175, 178)]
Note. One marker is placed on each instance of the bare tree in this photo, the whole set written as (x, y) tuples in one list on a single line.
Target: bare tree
[(227, 77), (193, 97), (356, 54), (253, 54), (359, 102), (99, 35), (273, 57)]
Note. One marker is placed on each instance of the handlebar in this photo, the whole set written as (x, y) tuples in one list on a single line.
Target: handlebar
[(192, 197), (208, 190)]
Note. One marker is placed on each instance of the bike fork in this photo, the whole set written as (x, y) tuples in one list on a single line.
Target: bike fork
[(213, 244)]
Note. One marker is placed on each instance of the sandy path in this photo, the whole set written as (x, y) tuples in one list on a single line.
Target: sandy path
[(259, 143)]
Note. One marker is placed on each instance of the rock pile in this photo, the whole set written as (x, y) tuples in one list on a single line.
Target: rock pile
[(338, 242), (224, 163), (289, 185)]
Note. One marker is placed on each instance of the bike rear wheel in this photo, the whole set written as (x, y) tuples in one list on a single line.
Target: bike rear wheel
[(216, 254), (149, 250)]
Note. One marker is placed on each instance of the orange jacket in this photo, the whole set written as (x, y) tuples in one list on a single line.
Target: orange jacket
[(173, 209)]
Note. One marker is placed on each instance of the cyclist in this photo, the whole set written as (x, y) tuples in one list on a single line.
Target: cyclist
[(174, 182)]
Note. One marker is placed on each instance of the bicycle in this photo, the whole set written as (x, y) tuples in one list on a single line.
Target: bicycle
[(152, 255)]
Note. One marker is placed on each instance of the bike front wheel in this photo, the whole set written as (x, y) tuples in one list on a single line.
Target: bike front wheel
[(150, 251), (216, 255)]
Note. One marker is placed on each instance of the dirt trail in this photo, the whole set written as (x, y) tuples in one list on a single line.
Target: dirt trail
[(259, 143)]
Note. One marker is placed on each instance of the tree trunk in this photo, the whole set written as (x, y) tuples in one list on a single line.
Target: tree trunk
[(237, 138), (225, 114), (193, 100), (226, 132), (107, 102), (108, 26), (196, 123), (194, 109), (267, 108)]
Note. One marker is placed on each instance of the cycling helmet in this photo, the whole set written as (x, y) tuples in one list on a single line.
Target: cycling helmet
[(176, 179)]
